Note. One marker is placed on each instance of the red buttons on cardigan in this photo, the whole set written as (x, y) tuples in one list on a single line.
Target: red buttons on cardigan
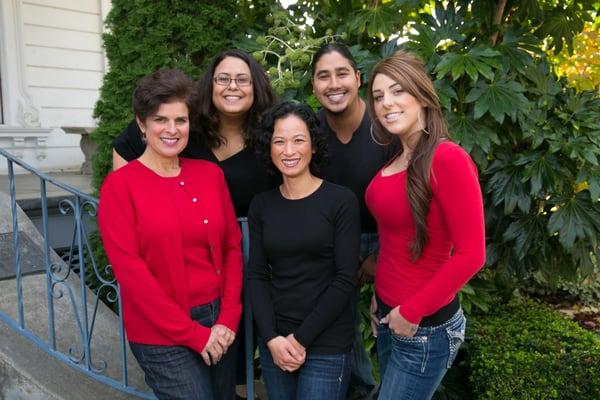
[(218, 271)]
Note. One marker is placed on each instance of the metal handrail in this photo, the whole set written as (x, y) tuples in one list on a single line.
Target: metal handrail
[(57, 286)]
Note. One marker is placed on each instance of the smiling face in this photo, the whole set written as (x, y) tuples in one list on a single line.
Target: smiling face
[(398, 111), (291, 147), (167, 130), (232, 99), (335, 82)]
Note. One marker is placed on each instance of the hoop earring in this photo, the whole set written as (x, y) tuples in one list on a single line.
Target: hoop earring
[(375, 140), (423, 126)]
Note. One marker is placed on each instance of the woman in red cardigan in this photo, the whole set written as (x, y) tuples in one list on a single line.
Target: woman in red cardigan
[(429, 211), (171, 235)]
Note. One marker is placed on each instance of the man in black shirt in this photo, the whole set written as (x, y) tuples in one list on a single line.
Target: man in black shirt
[(355, 158)]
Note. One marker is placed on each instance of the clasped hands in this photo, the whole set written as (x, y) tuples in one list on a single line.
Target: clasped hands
[(398, 325), (221, 337), (287, 353)]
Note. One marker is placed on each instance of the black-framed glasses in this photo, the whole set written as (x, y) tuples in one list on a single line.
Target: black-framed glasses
[(240, 80)]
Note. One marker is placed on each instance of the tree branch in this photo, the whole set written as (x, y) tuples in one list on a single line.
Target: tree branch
[(497, 20)]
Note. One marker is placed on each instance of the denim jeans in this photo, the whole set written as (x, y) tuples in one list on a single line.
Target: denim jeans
[(178, 372), (322, 376), (413, 367), (361, 378)]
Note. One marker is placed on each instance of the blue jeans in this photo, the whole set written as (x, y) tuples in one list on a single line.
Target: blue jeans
[(322, 376), (178, 372), (361, 378), (413, 367)]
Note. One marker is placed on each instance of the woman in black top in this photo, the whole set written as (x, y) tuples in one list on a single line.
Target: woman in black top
[(233, 93), (304, 243)]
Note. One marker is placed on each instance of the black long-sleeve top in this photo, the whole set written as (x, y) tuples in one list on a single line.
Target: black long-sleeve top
[(303, 262)]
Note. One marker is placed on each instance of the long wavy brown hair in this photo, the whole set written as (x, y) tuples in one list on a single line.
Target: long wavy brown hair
[(409, 71)]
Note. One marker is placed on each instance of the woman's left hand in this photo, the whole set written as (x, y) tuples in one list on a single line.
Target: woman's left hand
[(398, 324), (299, 348), (225, 336)]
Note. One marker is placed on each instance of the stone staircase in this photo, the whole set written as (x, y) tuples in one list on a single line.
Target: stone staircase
[(27, 371)]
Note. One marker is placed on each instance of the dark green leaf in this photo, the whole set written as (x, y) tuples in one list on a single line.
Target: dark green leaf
[(499, 98), (576, 218)]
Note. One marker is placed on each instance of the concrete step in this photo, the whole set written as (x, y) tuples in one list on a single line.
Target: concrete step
[(28, 373), (25, 370)]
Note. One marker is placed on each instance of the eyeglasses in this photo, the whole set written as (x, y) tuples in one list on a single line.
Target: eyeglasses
[(225, 80)]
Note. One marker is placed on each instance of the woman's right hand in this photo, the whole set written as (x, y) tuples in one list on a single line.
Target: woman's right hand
[(285, 355), (373, 314)]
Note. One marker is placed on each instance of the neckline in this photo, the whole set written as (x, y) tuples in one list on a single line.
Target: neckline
[(311, 194), (151, 171), (228, 158), (354, 133), (391, 175)]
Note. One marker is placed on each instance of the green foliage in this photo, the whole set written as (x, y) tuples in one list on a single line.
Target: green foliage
[(535, 140), (144, 36), (524, 350)]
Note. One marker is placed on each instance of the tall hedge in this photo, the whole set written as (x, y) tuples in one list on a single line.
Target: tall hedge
[(143, 36)]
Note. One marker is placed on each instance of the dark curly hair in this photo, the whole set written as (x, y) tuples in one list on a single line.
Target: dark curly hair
[(261, 137), (208, 117)]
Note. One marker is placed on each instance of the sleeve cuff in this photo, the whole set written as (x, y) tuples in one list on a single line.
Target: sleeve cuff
[(230, 319), (409, 315)]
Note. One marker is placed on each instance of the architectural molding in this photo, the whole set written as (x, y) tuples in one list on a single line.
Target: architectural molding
[(19, 107), (21, 140)]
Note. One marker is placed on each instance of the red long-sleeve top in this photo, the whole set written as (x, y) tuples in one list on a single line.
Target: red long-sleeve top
[(174, 243), (455, 249)]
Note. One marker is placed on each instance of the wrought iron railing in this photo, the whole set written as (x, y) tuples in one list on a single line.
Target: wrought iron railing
[(65, 282)]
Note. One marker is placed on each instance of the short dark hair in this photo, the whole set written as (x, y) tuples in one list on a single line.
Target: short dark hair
[(263, 135), (162, 86), (208, 116), (337, 47)]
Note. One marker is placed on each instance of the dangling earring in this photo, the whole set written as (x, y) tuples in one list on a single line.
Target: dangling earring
[(144, 140), (375, 140)]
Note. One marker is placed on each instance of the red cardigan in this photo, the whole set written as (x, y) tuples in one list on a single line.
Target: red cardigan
[(455, 249), (143, 220)]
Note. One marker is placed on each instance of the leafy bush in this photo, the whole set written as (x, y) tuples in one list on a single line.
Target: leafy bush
[(525, 350), (535, 140)]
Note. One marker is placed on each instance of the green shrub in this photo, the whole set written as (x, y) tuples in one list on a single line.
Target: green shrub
[(525, 350), (143, 36)]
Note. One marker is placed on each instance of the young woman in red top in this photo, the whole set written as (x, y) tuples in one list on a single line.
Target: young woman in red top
[(429, 211), (171, 235)]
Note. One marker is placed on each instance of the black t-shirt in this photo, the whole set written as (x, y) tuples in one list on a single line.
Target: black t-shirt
[(355, 163), (302, 269), (245, 174)]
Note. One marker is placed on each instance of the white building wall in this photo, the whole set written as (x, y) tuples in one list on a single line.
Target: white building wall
[(51, 51)]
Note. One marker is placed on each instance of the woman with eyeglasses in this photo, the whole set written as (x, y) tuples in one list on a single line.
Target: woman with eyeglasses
[(233, 93)]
